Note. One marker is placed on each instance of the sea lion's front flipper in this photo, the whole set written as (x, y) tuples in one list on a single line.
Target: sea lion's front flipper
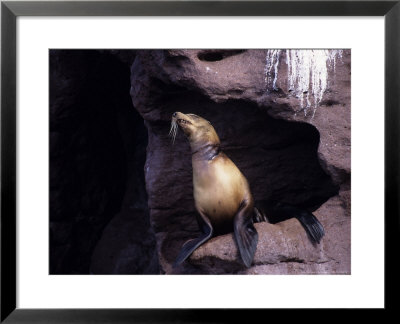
[(193, 244), (245, 233)]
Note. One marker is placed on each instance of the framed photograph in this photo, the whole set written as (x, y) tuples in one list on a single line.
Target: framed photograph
[(162, 159)]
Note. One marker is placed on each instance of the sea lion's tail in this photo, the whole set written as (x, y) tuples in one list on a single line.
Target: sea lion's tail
[(277, 212)]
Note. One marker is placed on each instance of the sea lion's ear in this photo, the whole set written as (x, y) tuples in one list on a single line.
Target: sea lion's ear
[(209, 123)]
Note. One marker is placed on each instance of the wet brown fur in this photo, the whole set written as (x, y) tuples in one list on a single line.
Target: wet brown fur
[(219, 187)]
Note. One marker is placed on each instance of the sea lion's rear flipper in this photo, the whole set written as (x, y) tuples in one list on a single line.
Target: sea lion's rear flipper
[(314, 229), (245, 233), (193, 244), (259, 215), (278, 212)]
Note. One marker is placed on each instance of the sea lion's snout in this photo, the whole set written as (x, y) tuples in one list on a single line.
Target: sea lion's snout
[(197, 129), (177, 114), (181, 120)]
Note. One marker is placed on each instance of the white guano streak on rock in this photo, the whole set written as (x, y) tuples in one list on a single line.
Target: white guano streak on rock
[(307, 74), (272, 62)]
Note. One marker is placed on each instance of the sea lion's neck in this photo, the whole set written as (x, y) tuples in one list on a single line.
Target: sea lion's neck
[(206, 151)]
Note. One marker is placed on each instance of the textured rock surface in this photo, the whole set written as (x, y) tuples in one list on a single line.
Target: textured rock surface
[(293, 157), (284, 248), (332, 117)]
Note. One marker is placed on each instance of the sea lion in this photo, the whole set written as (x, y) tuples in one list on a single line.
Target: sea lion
[(223, 198), (221, 193)]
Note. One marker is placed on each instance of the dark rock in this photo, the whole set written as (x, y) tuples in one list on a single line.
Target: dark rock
[(92, 122)]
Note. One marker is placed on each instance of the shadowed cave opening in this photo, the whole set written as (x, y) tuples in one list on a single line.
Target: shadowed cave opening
[(97, 153), (217, 55)]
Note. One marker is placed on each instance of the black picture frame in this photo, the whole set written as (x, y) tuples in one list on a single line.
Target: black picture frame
[(10, 10)]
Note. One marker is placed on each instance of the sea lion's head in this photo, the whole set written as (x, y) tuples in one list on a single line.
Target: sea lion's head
[(198, 130)]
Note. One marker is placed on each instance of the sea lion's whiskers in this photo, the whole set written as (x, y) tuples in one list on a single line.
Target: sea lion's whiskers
[(173, 130)]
